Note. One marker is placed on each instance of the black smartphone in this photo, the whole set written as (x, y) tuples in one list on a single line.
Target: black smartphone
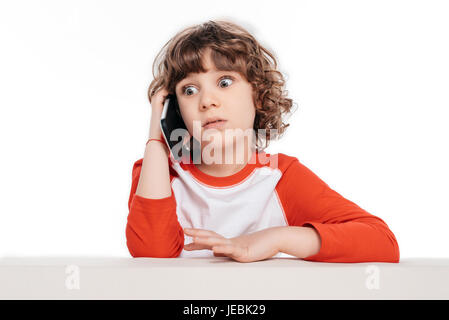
[(171, 120)]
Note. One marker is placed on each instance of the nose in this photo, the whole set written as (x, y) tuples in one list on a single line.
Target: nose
[(208, 100)]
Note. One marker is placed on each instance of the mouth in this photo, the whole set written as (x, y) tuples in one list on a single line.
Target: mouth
[(215, 124)]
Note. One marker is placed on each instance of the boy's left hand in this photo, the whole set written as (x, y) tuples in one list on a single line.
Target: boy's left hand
[(251, 247)]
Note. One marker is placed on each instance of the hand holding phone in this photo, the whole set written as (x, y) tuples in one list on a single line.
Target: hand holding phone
[(157, 101)]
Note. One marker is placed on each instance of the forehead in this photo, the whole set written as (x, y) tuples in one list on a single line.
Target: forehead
[(210, 69)]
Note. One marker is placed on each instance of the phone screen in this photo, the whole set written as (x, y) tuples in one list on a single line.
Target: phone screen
[(171, 120)]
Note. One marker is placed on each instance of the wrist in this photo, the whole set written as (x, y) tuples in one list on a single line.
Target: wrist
[(152, 144), (155, 130), (156, 134), (297, 241)]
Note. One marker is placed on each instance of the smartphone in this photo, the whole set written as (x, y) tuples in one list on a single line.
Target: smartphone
[(171, 120)]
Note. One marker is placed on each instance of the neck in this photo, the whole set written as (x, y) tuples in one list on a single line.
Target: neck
[(235, 162)]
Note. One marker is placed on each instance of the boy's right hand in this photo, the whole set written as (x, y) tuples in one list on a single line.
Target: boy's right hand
[(157, 106), (157, 101)]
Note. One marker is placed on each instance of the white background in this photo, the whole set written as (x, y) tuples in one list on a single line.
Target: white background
[(370, 79)]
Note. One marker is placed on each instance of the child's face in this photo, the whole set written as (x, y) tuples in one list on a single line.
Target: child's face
[(224, 94)]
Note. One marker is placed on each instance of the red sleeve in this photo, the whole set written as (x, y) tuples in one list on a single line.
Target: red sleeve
[(152, 229), (348, 233)]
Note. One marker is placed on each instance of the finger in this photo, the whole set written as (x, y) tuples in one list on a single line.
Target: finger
[(210, 241), (195, 246), (200, 232), (159, 96), (197, 232)]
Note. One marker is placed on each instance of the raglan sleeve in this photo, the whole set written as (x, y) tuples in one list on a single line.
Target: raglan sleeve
[(348, 233), (152, 228)]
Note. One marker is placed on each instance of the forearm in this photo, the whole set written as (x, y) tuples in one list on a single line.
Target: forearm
[(300, 242), (154, 181)]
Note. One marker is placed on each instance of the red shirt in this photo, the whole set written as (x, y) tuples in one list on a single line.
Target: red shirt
[(280, 192)]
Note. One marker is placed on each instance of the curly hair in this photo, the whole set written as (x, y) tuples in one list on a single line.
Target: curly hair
[(233, 49)]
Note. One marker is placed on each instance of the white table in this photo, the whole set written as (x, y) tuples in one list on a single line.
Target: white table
[(219, 278)]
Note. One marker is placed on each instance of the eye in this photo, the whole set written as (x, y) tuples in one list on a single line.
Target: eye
[(226, 78), (185, 88)]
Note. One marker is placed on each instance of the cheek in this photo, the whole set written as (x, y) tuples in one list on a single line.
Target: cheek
[(183, 110), (246, 115), (190, 121)]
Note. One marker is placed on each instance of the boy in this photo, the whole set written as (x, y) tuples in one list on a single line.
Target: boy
[(243, 209)]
